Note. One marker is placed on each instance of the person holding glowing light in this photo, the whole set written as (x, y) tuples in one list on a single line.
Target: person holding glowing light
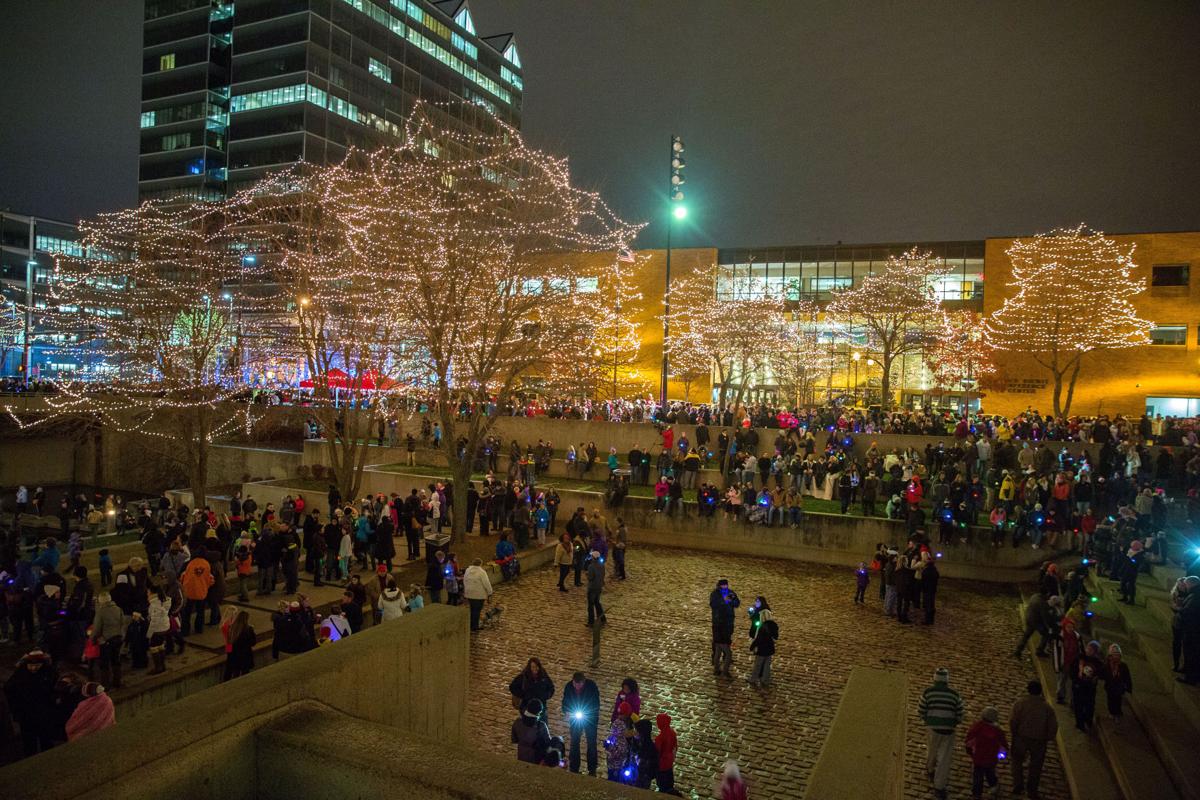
[(581, 709)]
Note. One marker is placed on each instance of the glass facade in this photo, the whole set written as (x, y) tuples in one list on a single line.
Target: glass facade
[(28, 246), (812, 273), (231, 91)]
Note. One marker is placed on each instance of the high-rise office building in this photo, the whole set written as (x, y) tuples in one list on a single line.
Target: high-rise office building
[(232, 91)]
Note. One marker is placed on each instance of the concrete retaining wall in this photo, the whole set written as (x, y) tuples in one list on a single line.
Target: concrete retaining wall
[(821, 538), (411, 675)]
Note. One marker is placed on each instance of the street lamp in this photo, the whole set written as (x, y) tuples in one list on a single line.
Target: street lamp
[(678, 212), (857, 356)]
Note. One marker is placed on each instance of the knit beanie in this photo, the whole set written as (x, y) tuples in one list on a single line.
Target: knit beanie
[(942, 675)]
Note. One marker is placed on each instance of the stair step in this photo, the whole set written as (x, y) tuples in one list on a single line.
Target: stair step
[(1133, 759), (1084, 762), (1173, 737)]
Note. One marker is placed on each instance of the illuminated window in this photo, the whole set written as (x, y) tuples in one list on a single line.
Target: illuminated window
[(1169, 334), (587, 285), (463, 18), (512, 77), (532, 286), (464, 46), (147, 119), (511, 54), (379, 70), (166, 62)]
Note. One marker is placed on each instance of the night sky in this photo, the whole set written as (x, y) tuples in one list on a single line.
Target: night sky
[(806, 122)]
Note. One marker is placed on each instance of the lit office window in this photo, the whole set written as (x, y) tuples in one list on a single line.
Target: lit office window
[(1169, 335), (379, 70), (587, 285), (166, 62), (512, 77), (464, 46), (147, 119)]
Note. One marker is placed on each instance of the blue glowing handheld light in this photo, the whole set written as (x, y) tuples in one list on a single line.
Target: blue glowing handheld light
[(1086, 562), (577, 715), (939, 555), (1002, 755)]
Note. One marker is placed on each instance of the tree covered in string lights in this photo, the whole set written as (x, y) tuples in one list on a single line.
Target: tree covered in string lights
[(731, 330), (336, 314), (797, 357), (452, 231), (147, 305), (613, 344), (1071, 296), (895, 307), (958, 357)]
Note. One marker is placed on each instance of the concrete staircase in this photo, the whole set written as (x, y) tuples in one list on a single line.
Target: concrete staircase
[(1161, 735)]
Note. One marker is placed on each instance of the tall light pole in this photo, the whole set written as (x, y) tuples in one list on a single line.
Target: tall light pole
[(857, 357), (677, 211)]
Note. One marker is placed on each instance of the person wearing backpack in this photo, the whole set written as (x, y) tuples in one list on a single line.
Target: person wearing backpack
[(766, 634)]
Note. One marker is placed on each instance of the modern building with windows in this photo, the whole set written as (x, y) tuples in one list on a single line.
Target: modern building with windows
[(231, 91), (28, 245), (1161, 377)]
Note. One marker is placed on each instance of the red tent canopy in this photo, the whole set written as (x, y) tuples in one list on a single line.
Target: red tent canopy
[(338, 379)]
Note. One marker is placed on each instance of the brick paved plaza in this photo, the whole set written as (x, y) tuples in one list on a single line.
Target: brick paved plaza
[(659, 634)]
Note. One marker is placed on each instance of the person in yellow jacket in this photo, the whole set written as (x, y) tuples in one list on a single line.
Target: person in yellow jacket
[(1008, 490), (196, 580)]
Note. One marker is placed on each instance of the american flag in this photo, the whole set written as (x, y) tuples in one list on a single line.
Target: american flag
[(626, 255)]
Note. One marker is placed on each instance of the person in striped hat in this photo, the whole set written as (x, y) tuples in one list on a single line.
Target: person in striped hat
[(941, 708)]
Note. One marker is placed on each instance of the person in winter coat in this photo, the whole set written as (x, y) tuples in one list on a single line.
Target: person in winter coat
[(1033, 725), (563, 558), (94, 712), (293, 632), (731, 786), (1088, 671), (530, 734), (619, 746), (392, 603), (985, 743), (722, 602), (1117, 681), (196, 581), (158, 629), (30, 694), (647, 754), (941, 708), (766, 633), (928, 585), (595, 588), (627, 694), (385, 545), (666, 743), (531, 683), (477, 588), (435, 576), (108, 632), (240, 658)]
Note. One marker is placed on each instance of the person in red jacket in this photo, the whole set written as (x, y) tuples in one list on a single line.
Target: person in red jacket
[(987, 746), (667, 744)]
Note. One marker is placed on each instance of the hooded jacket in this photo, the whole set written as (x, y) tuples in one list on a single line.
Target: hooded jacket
[(391, 604), (197, 577), (666, 742), (531, 736)]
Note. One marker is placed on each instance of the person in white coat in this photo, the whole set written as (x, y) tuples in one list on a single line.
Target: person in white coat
[(392, 603), (477, 588)]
